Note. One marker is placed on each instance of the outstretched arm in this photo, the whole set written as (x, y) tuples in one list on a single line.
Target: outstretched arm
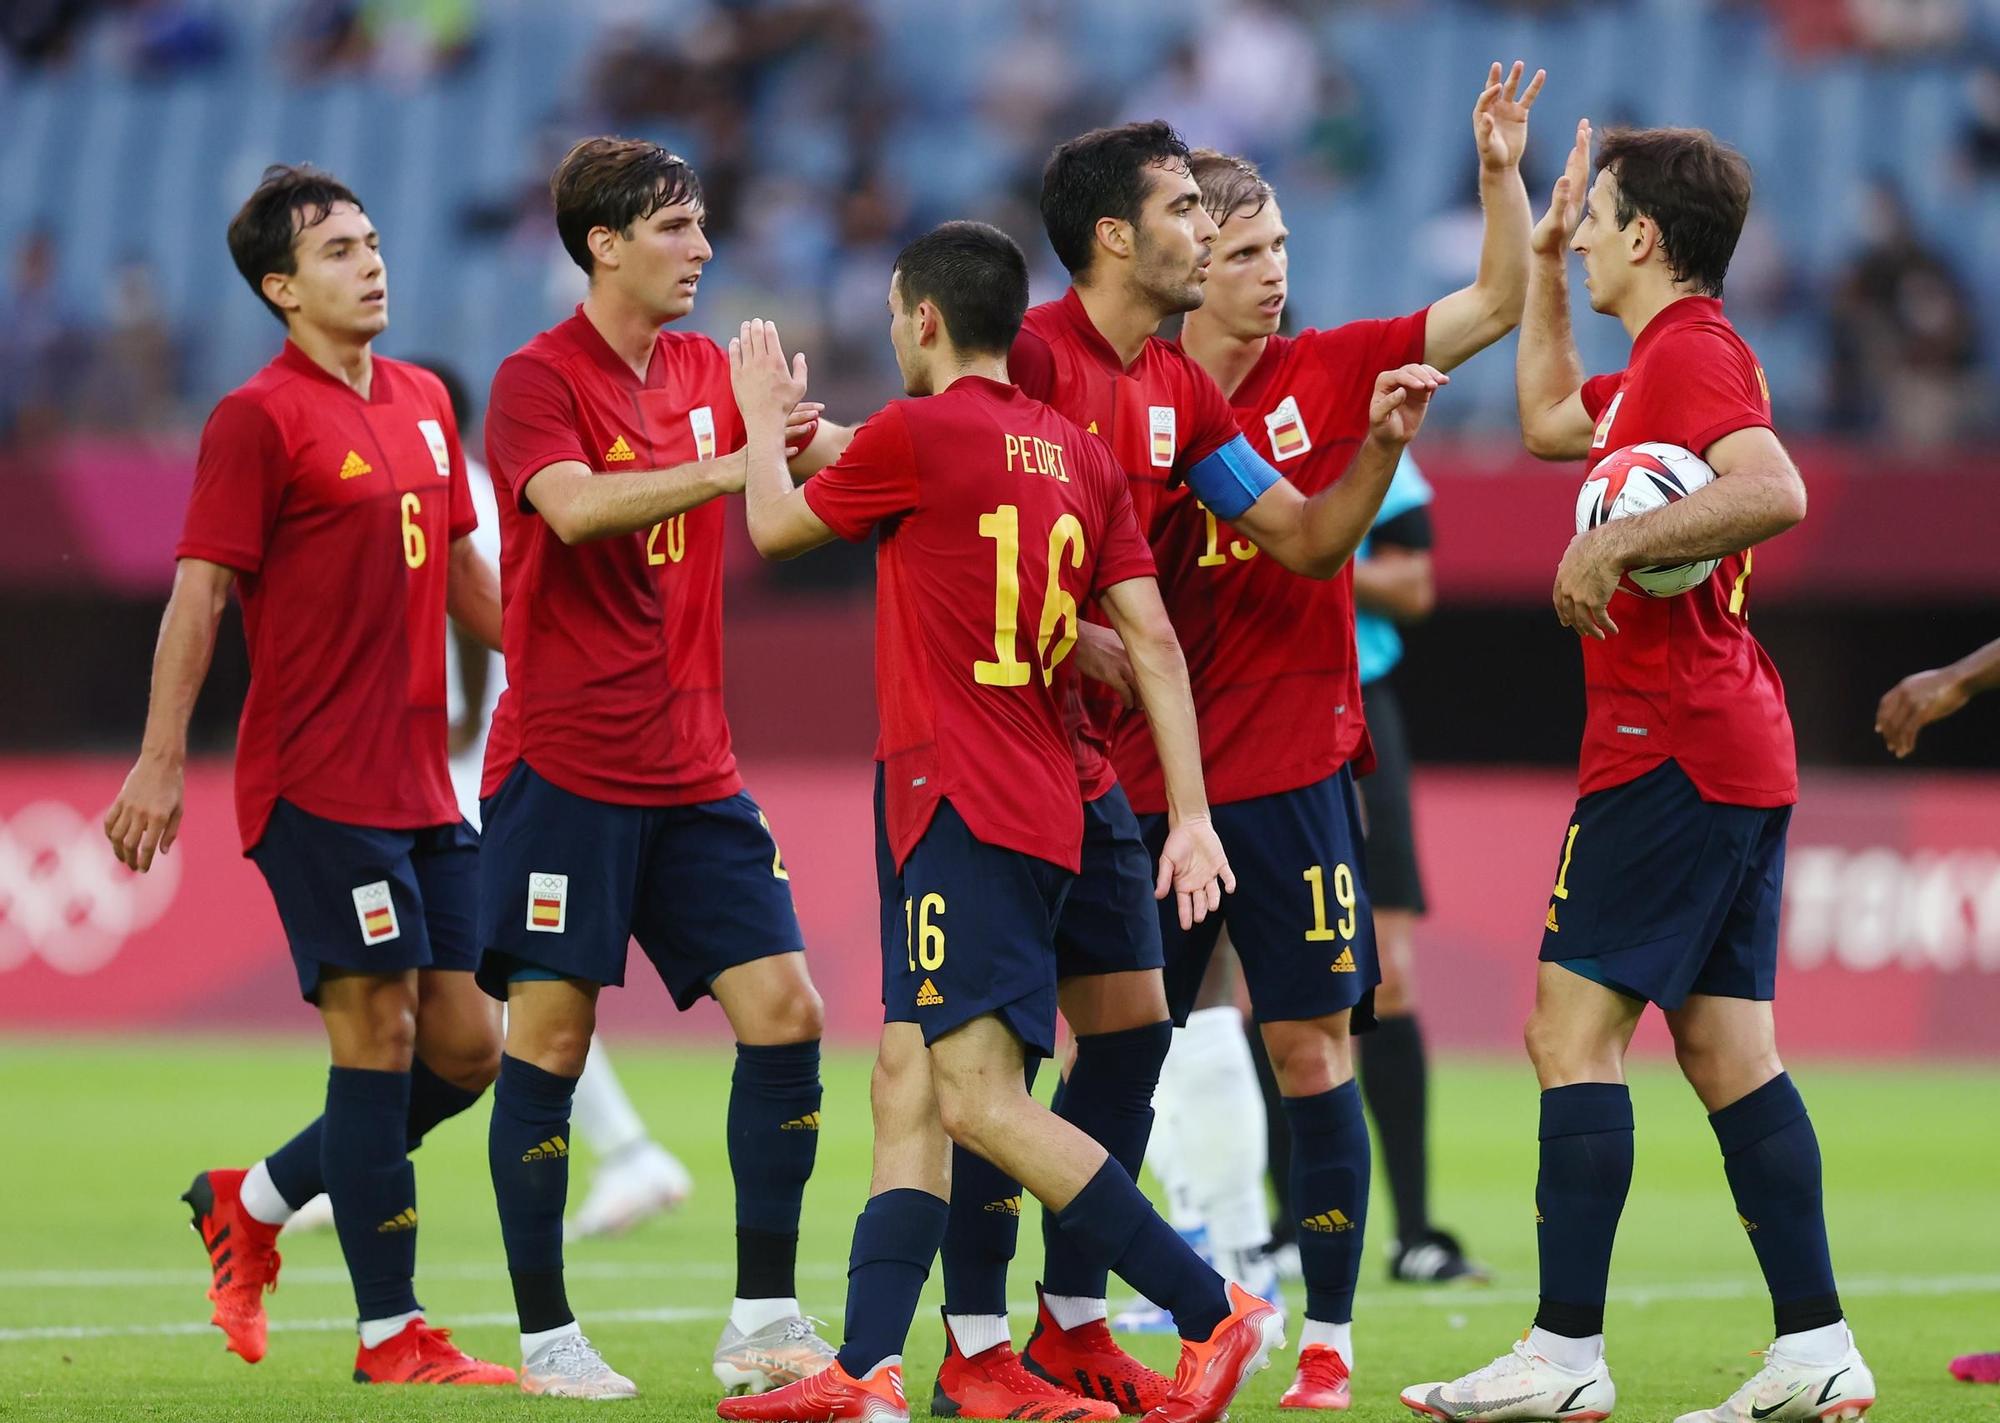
[(1548, 373), (1924, 697)]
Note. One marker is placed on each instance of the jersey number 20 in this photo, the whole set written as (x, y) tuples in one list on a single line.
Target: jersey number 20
[(1006, 669)]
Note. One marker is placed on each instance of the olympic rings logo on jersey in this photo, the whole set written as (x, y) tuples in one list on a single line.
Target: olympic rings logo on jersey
[(64, 898)]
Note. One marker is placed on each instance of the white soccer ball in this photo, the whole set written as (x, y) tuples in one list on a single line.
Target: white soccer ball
[(1637, 480)]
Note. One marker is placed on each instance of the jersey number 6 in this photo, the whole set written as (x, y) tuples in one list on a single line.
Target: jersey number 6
[(1006, 669)]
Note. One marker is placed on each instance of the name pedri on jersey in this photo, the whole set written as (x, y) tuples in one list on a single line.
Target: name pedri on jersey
[(1684, 678), (1271, 653), (337, 514), (1000, 521), (614, 647)]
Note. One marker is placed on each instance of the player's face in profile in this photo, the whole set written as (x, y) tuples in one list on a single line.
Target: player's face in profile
[(1600, 242), (1246, 278), (903, 335), (660, 259), (341, 285), (1171, 243)]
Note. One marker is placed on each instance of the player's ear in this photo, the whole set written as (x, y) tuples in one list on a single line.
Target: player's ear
[(930, 326), (603, 245), (1643, 237), (277, 289), (1115, 235)]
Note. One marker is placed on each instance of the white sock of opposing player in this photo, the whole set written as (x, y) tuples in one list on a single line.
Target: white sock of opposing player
[(261, 1198), (1579, 1356), (602, 1115), (1220, 1130), (1165, 1156)]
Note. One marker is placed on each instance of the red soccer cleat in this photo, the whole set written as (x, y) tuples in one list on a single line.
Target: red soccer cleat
[(992, 1384), (421, 1354), (243, 1256), (1321, 1381), (830, 1396), (1087, 1361), (1212, 1372), (1976, 1368)]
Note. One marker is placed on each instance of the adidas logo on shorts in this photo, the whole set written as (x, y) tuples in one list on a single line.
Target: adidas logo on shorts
[(1345, 963), (928, 996)]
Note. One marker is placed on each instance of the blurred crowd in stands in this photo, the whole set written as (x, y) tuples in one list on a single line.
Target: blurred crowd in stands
[(1904, 356)]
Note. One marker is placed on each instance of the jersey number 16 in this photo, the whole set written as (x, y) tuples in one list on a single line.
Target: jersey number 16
[(1006, 669)]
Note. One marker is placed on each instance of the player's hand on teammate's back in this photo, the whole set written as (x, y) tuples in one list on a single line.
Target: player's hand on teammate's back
[(1402, 397), (1195, 870), (1101, 656), (1585, 581), (1500, 117), (1558, 224), (146, 816), (1914, 703), (767, 389)]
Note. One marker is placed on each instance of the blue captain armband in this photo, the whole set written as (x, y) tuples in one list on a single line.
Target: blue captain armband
[(1232, 479)]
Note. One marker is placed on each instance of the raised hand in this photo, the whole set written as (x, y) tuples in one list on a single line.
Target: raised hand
[(1402, 397), (1194, 869), (1553, 232), (1500, 118), (767, 388)]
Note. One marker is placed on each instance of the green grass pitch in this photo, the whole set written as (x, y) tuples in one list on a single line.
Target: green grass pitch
[(102, 1314)]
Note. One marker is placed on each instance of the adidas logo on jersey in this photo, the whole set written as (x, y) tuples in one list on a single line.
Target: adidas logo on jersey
[(619, 453), (406, 1219), (549, 1150), (353, 467), (928, 996), (809, 1122), (1345, 963), (1327, 1223), (1006, 1205)]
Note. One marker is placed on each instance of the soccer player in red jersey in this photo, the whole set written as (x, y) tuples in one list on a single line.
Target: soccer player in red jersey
[(330, 492), (1125, 218), (1267, 648), (613, 808), (999, 519), (1669, 876)]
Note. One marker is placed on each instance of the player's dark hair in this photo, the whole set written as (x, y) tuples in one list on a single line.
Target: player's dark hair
[(1694, 187), (615, 182), (454, 388), (975, 276), (1101, 174), (263, 236), (1229, 185)]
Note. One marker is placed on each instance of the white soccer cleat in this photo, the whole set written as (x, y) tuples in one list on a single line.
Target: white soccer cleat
[(571, 1367), (1787, 1391), (315, 1214), (635, 1186), (782, 1352), (1520, 1384)]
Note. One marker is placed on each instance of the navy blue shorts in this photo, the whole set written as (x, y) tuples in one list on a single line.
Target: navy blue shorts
[(371, 901), (1660, 893), (968, 929), (1110, 923), (565, 882), (1300, 918)]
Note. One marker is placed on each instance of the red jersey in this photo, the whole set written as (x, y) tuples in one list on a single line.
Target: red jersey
[(1268, 648), (1683, 678), (1161, 415), (337, 513), (614, 647), (1002, 520)]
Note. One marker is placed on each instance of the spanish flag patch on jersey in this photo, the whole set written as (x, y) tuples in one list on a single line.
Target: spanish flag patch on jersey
[(1287, 430)]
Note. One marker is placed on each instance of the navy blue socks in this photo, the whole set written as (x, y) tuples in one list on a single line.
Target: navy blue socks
[(365, 1162), (1586, 1171), (294, 1167), (1329, 1194), (774, 1103), (979, 1240), (895, 1240), (527, 1147), (1772, 1159), (1108, 1096), (1114, 1227)]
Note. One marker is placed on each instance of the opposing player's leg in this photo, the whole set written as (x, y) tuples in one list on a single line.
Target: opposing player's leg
[(715, 915), (635, 1177)]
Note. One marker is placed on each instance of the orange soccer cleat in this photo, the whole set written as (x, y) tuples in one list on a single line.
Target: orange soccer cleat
[(1212, 1372), (1087, 1361), (421, 1354), (992, 1384), (1321, 1381), (830, 1396), (242, 1256)]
